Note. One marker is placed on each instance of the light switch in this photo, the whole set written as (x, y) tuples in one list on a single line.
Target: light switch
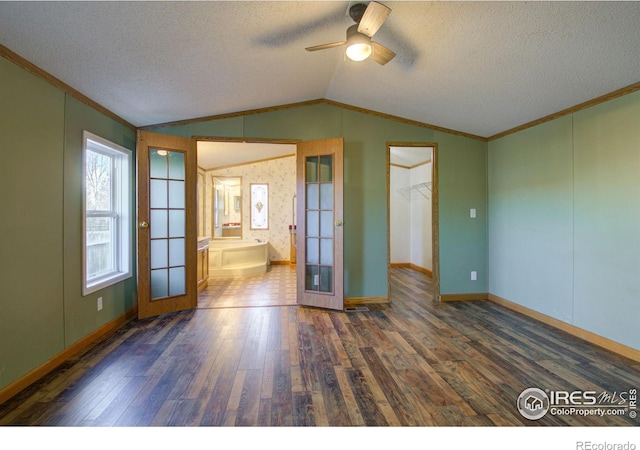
[(472, 213)]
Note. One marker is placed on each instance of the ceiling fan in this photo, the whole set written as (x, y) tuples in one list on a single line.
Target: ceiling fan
[(368, 18)]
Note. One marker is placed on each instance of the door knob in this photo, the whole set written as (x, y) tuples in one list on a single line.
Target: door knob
[(339, 223), (143, 225)]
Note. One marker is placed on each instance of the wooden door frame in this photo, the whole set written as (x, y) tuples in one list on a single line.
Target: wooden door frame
[(435, 250)]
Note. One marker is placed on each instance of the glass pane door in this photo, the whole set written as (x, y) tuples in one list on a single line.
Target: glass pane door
[(319, 232), (167, 214)]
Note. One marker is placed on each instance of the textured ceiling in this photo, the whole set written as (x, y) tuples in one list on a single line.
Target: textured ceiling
[(476, 67)]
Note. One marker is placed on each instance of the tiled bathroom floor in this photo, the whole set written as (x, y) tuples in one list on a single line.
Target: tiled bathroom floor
[(277, 287)]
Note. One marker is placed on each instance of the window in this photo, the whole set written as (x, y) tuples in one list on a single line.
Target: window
[(106, 213)]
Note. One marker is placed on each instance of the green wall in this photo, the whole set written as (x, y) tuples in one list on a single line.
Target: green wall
[(531, 218), (607, 219), (462, 175), (463, 241), (42, 311), (564, 219), (31, 223)]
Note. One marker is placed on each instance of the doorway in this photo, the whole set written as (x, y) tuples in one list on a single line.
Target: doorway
[(250, 259), (412, 215)]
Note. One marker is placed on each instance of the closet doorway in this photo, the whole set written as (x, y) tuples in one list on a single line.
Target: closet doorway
[(412, 217)]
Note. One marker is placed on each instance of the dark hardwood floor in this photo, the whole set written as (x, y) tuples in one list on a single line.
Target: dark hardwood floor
[(412, 363)]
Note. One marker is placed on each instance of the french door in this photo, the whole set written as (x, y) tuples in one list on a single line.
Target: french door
[(319, 237), (166, 224)]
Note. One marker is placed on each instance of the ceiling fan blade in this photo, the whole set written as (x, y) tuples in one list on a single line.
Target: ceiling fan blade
[(381, 54), (323, 46), (373, 18)]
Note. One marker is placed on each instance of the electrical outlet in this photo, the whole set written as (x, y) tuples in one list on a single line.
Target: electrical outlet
[(474, 275), (472, 213), (99, 303)]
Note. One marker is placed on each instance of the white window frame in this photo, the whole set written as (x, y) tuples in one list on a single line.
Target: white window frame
[(120, 212)]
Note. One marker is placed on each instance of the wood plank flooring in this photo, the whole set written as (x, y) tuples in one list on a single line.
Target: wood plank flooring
[(413, 363)]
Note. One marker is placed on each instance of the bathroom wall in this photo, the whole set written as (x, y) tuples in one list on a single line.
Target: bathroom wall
[(280, 175)]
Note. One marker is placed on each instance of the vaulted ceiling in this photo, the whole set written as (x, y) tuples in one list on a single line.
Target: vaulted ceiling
[(475, 67)]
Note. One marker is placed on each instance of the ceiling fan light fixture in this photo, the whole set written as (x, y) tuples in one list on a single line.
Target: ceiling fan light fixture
[(358, 44)]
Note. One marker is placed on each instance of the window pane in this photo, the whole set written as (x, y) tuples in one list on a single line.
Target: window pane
[(98, 181), (158, 197), (158, 225), (326, 223), (326, 168), (176, 223), (159, 253), (158, 164), (326, 279), (312, 196), (326, 196), (176, 194), (312, 169), (326, 251), (312, 224), (177, 284), (100, 250), (176, 252), (311, 279), (176, 165), (159, 283), (313, 251)]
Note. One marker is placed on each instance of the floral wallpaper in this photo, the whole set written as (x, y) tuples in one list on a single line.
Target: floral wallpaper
[(280, 175)]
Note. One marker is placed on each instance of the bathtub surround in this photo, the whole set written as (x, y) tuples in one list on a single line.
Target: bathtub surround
[(237, 257)]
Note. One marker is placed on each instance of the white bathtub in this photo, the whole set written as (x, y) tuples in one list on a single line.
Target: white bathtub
[(236, 258)]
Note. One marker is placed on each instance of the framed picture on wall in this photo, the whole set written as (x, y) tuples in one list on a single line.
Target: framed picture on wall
[(259, 206)]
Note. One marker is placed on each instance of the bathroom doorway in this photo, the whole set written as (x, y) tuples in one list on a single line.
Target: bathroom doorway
[(246, 220), (412, 217)]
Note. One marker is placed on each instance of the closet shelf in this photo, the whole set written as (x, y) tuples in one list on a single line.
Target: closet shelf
[(421, 188)]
